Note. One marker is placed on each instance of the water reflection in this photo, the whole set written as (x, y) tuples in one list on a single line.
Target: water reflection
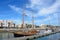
[(6, 35)]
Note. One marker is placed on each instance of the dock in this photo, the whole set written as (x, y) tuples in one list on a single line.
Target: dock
[(32, 37)]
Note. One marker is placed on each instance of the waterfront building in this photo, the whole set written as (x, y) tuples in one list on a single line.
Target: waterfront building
[(1, 23), (43, 26), (19, 25), (7, 23)]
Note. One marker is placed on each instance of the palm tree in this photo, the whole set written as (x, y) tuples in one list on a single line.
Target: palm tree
[(26, 25), (29, 25), (1, 25), (14, 25), (8, 24)]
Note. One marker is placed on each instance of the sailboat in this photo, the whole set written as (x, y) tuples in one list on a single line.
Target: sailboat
[(26, 33), (21, 34)]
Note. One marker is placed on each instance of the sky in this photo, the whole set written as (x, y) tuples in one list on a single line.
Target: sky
[(45, 11)]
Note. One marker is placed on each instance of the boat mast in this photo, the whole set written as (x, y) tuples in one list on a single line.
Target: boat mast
[(32, 19), (23, 20), (23, 14)]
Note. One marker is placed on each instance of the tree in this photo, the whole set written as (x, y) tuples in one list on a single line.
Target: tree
[(1, 24), (8, 24), (14, 25), (28, 25)]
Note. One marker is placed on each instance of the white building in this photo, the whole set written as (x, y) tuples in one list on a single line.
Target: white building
[(43, 26), (20, 25), (7, 23), (1, 21)]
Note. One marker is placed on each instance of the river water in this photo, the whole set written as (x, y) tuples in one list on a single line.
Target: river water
[(10, 35)]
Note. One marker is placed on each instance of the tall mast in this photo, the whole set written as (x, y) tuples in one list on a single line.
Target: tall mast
[(23, 14), (23, 20), (32, 19)]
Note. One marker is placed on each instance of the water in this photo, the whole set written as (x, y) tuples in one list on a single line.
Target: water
[(6, 35), (50, 37)]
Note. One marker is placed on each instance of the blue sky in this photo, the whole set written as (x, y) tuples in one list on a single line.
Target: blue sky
[(45, 11)]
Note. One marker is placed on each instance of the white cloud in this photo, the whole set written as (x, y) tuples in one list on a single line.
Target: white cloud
[(49, 10), (20, 10), (55, 16), (40, 6), (43, 20), (39, 3), (17, 9)]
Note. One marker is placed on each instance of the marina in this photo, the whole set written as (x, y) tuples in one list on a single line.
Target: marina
[(29, 20), (10, 36)]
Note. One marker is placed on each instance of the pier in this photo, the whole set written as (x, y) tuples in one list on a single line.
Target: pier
[(32, 37)]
